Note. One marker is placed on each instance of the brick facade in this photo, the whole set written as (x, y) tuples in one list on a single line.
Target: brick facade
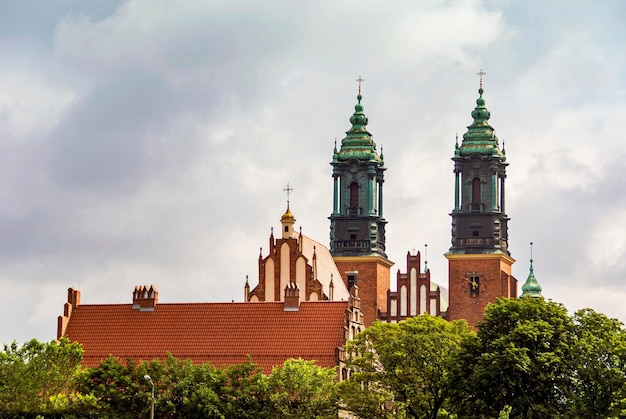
[(415, 294), (299, 260), (493, 279), (372, 278)]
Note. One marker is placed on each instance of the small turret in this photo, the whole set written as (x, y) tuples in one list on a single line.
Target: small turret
[(288, 220), (531, 288)]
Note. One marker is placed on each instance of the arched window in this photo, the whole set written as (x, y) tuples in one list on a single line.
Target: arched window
[(354, 195), (476, 191)]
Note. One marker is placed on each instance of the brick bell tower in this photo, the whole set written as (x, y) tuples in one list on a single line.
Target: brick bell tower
[(357, 226), (479, 262)]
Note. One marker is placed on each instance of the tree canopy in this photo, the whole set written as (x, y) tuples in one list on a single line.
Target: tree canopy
[(402, 368), (529, 355), (528, 358), (32, 373)]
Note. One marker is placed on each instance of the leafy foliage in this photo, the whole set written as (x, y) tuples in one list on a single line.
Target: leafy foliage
[(528, 359), (34, 372), (520, 358), (301, 389), (297, 389), (599, 361), (401, 369)]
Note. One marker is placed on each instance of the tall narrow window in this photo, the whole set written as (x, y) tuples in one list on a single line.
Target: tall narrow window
[(354, 195), (476, 191), (351, 280)]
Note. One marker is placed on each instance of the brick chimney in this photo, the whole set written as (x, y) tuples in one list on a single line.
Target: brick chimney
[(292, 297), (73, 301), (144, 298)]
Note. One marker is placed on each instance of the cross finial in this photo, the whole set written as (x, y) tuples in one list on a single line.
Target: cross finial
[(287, 189), (481, 73), (531, 251), (360, 80), (426, 258)]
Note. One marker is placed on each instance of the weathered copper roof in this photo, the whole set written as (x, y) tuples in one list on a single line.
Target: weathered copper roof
[(220, 333), (531, 287), (358, 142), (480, 137)]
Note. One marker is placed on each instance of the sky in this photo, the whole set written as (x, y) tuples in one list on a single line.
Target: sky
[(149, 141)]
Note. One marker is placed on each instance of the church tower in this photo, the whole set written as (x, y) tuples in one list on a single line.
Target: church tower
[(479, 262), (357, 226)]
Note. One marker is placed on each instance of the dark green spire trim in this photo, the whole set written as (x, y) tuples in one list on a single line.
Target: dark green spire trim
[(480, 137), (531, 288), (358, 143)]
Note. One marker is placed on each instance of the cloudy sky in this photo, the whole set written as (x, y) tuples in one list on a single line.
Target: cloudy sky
[(149, 141)]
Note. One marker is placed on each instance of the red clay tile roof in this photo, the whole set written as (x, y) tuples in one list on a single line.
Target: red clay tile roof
[(221, 333)]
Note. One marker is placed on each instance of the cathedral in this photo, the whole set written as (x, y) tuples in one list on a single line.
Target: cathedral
[(479, 262), (310, 299)]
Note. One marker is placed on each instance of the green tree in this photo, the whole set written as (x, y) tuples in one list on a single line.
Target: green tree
[(246, 393), (197, 392), (119, 388), (401, 369), (520, 358), (34, 372), (599, 360), (182, 389), (300, 389)]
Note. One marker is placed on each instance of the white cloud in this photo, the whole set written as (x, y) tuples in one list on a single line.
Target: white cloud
[(150, 141), (30, 103)]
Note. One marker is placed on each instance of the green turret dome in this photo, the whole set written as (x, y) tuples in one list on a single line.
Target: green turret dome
[(531, 288), (358, 143), (480, 137)]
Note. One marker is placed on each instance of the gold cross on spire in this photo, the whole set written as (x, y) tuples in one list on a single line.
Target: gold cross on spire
[(360, 80), (287, 189), (481, 73)]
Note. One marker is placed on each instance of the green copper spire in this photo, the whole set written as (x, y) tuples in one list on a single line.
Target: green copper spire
[(358, 143), (480, 137), (531, 288)]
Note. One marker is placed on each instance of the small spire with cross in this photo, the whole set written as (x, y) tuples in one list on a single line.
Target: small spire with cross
[(426, 258), (481, 73), (287, 189), (360, 80)]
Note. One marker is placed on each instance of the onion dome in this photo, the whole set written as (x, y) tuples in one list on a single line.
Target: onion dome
[(531, 288), (480, 137), (358, 143), (287, 216)]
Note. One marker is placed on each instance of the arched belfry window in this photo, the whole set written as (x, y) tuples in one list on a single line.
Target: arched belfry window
[(476, 191), (354, 196)]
